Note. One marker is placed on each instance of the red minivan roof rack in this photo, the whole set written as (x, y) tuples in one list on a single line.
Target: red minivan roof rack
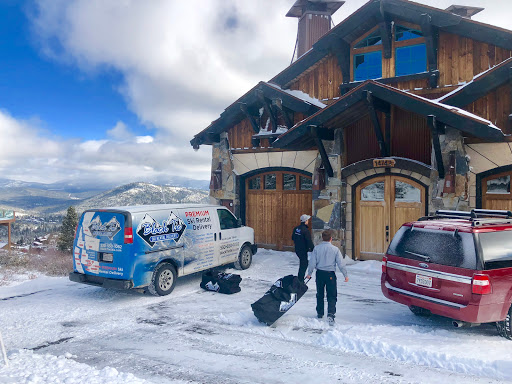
[(476, 216)]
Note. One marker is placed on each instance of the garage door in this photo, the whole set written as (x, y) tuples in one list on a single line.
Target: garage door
[(496, 191), (274, 203)]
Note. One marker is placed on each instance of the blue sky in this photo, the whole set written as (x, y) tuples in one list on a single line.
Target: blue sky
[(68, 102), (114, 90)]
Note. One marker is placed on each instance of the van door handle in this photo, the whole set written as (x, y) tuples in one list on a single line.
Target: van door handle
[(214, 237), (220, 235)]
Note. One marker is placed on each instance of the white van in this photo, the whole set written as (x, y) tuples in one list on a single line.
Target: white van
[(149, 246)]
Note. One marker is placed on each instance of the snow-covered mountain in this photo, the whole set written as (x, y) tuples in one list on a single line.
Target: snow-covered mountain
[(143, 194)]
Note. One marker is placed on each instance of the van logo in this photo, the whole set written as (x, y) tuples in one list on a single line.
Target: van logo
[(152, 231), (109, 229), (423, 265)]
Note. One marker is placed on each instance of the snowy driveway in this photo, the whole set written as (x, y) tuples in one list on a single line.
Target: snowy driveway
[(58, 331)]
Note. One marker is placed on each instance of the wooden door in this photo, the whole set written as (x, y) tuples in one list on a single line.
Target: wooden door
[(274, 203), (383, 204), (496, 191)]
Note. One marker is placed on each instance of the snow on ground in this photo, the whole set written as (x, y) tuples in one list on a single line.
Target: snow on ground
[(57, 331)]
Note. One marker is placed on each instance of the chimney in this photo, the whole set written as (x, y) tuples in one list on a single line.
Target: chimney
[(314, 21), (464, 10)]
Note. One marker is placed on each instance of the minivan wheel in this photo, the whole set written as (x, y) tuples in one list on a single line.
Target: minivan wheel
[(163, 280), (504, 327), (418, 311), (244, 258)]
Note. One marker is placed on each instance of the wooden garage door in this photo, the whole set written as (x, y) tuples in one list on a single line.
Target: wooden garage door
[(496, 191), (274, 203)]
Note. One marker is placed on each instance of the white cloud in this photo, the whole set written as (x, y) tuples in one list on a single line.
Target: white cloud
[(183, 63)]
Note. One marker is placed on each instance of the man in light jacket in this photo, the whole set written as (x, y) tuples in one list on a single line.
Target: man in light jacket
[(325, 257)]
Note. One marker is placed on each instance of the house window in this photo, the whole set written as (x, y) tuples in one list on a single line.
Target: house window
[(403, 33), (370, 41), (306, 183), (289, 182), (255, 183), (270, 181), (411, 59), (368, 66), (499, 185)]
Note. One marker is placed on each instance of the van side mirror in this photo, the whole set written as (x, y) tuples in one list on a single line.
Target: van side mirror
[(239, 222)]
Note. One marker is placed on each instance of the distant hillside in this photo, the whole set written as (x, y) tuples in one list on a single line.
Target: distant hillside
[(143, 194)]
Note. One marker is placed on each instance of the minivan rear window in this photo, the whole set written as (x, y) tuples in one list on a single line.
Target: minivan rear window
[(496, 249), (454, 249)]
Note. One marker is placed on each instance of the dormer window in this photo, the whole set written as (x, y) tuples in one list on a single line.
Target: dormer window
[(410, 56), (370, 41), (368, 66), (403, 33)]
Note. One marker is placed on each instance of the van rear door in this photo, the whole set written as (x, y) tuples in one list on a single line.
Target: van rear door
[(99, 247), (433, 264)]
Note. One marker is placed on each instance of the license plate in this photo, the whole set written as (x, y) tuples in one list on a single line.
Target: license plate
[(424, 281)]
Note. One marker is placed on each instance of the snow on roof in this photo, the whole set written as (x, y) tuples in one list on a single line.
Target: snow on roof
[(450, 108), (464, 85), (300, 95)]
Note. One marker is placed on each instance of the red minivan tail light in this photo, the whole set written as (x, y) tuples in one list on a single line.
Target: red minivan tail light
[(481, 284), (128, 235), (384, 264)]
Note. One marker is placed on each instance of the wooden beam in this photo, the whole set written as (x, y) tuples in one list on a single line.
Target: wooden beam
[(385, 32), (432, 123), (387, 130), (341, 50), (254, 125), (321, 149), (268, 109), (278, 103), (430, 34), (213, 137), (376, 124)]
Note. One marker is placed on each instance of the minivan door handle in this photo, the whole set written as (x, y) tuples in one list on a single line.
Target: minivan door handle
[(214, 237), (220, 235)]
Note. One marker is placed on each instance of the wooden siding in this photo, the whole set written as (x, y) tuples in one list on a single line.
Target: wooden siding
[(240, 135), (322, 82), (460, 58), (496, 106), (410, 136)]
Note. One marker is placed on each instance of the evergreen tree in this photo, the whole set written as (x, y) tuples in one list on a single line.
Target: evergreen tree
[(67, 231)]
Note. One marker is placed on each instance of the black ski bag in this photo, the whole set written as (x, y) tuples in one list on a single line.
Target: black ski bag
[(279, 299), (227, 283)]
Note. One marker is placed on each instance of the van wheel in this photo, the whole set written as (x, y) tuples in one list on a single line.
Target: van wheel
[(244, 258), (163, 280), (418, 311), (504, 327)]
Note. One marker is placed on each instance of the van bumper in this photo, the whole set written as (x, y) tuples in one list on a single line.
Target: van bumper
[(100, 281), (254, 248)]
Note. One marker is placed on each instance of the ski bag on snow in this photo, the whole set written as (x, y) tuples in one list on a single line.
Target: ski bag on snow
[(227, 283), (279, 299)]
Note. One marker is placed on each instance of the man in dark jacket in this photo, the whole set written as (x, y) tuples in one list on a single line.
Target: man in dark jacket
[(303, 244)]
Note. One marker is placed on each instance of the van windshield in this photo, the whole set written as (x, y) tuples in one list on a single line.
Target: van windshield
[(435, 246), (496, 249)]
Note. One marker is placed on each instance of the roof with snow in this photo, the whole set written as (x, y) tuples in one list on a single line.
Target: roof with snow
[(372, 13), (250, 104), (481, 85), (355, 104)]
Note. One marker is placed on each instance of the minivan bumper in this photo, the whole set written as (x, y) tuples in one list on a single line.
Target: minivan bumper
[(469, 313), (100, 281)]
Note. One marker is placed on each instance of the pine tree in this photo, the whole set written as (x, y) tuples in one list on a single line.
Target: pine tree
[(67, 231)]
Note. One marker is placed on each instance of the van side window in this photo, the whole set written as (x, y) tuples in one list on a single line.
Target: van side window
[(435, 246), (496, 249), (226, 219)]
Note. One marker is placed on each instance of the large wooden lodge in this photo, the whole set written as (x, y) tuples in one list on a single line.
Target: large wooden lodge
[(399, 110)]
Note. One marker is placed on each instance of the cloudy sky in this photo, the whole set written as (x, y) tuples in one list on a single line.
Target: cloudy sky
[(114, 90)]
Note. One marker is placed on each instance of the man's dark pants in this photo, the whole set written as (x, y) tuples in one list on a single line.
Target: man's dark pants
[(326, 281), (303, 265)]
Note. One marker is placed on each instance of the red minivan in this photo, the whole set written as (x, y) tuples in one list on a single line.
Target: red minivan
[(454, 264)]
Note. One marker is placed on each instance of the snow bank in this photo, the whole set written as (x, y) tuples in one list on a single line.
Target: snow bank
[(413, 344), (369, 266), (31, 368)]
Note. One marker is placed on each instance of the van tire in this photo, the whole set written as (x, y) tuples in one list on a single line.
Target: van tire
[(163, 280), (244, 258), (505, 327), (418, 311)]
